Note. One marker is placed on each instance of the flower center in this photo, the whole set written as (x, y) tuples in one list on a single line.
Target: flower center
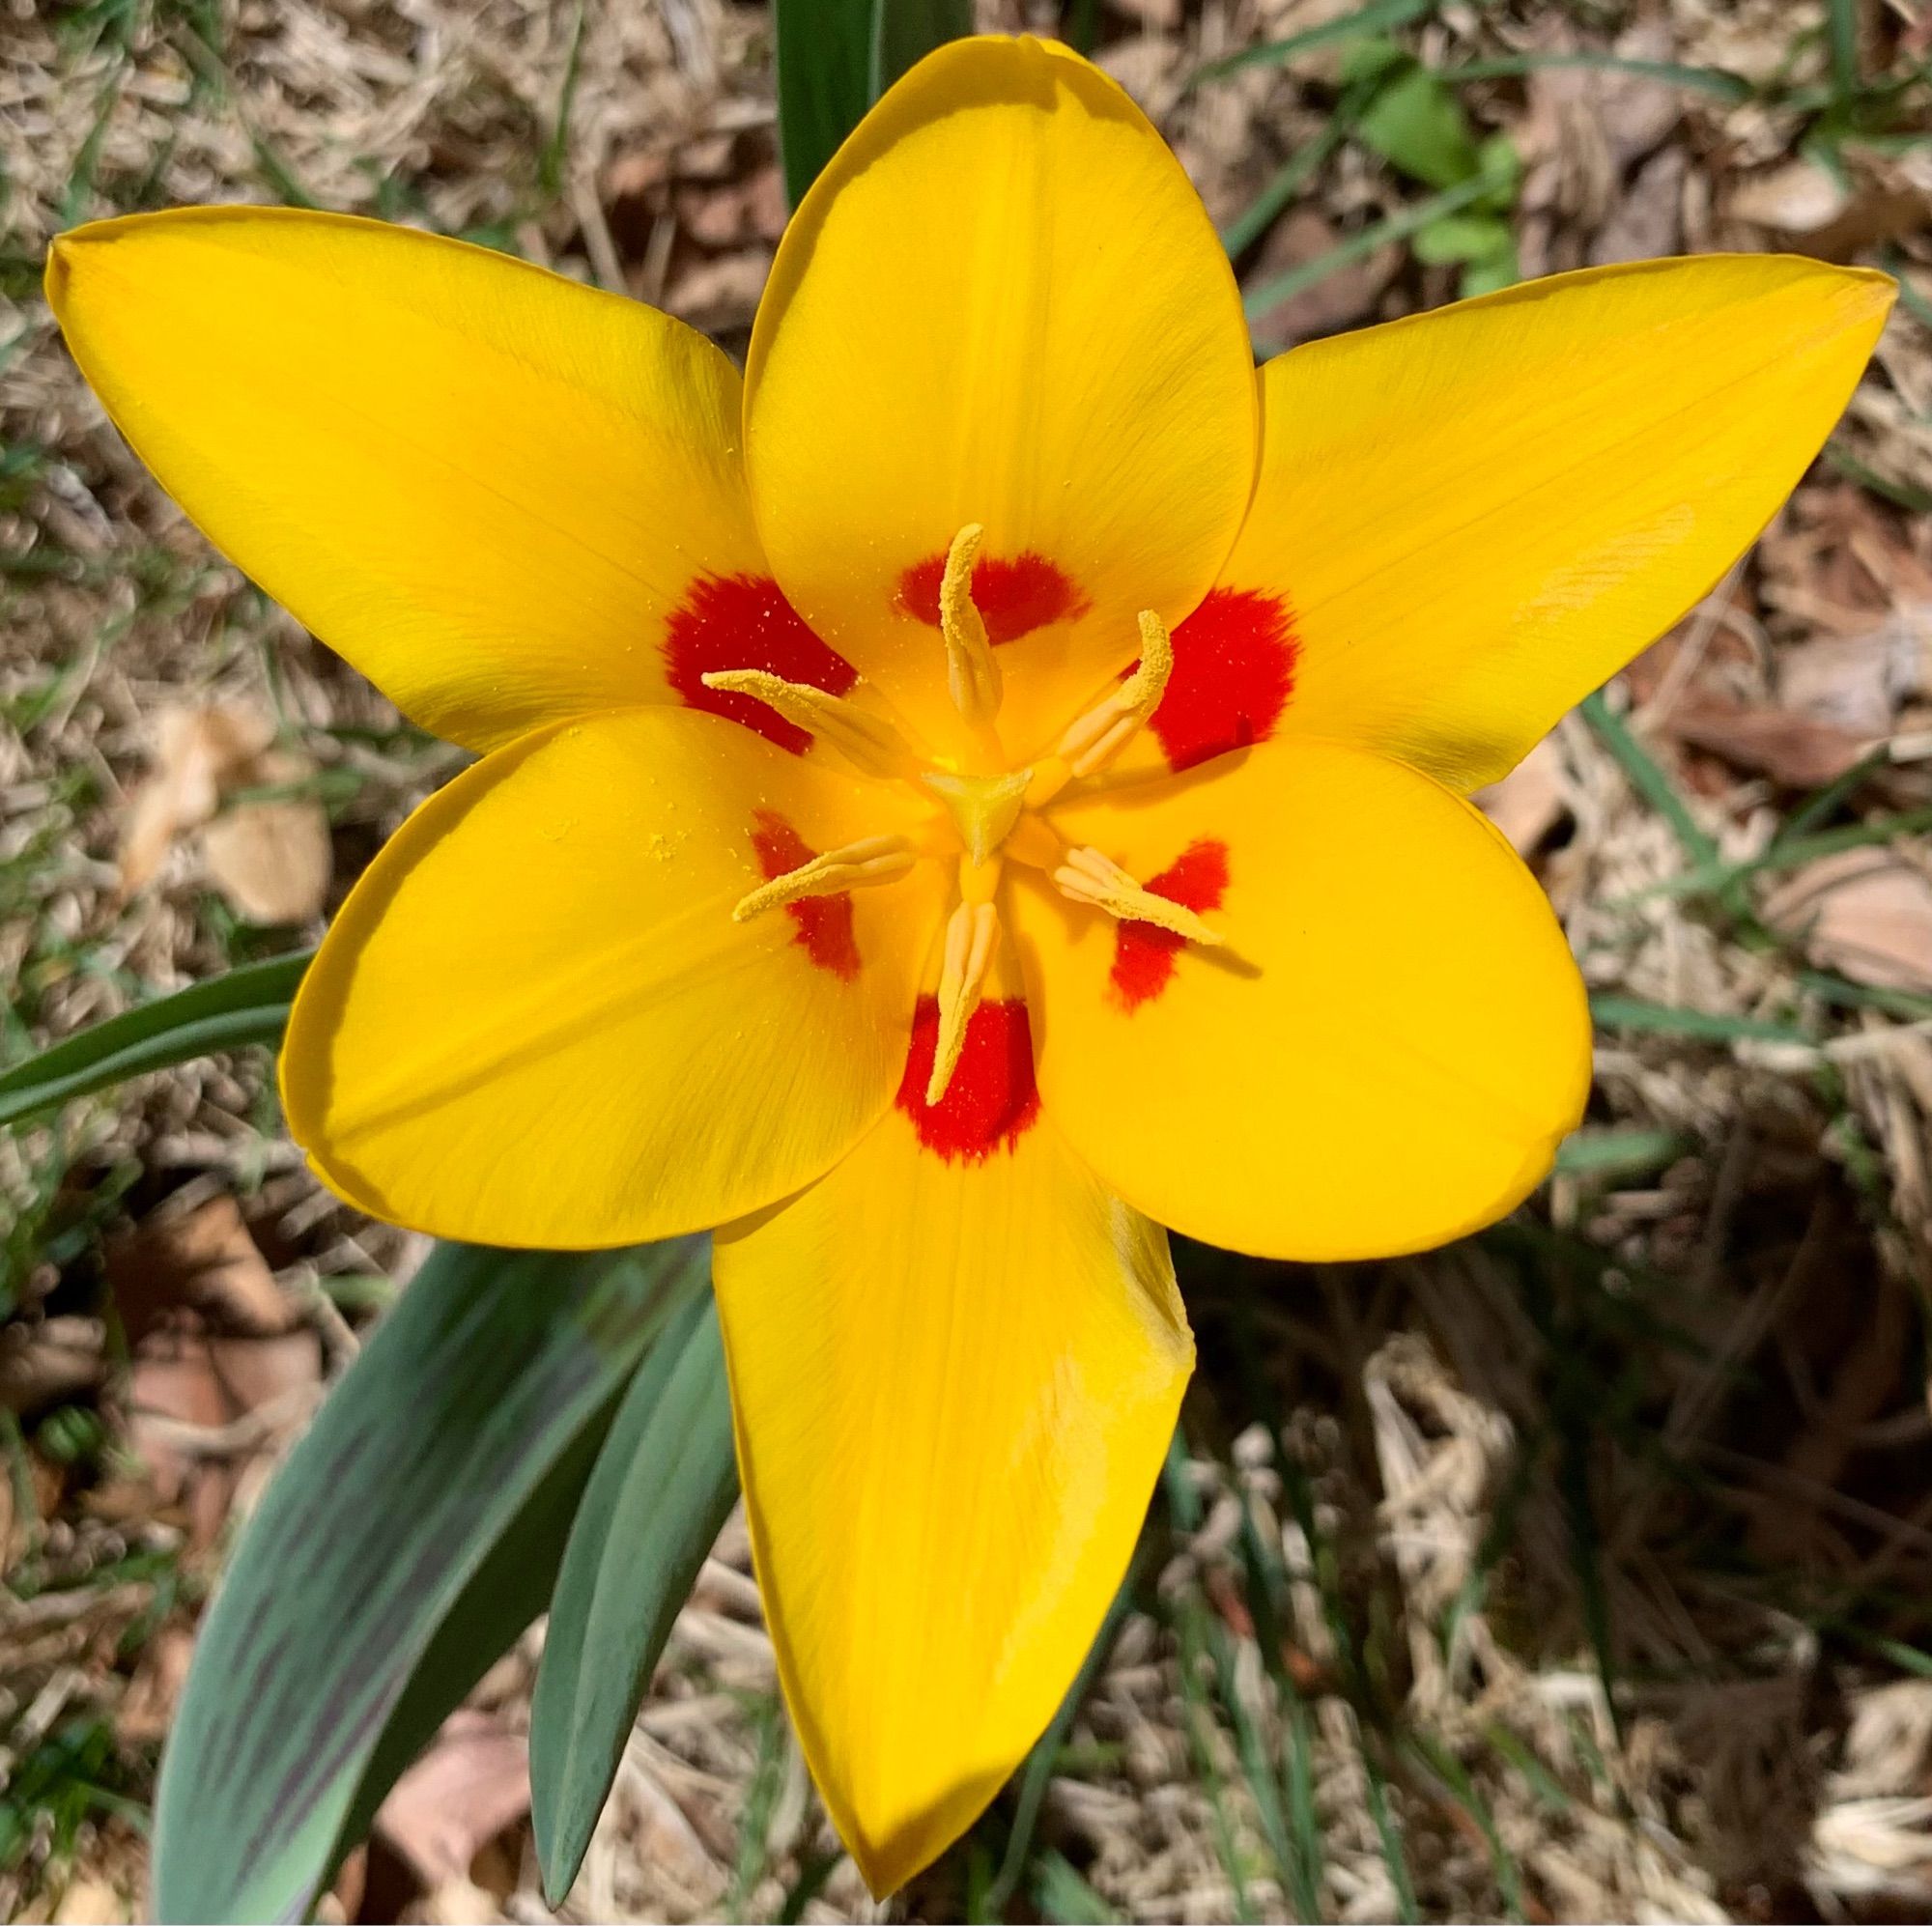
[(988, 812)]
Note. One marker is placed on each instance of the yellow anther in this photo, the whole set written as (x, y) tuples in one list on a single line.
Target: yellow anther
[(970, 672), (868, 741), (876, 858), (983, 808), (1106, 729), (972, 937), (1087, 877)]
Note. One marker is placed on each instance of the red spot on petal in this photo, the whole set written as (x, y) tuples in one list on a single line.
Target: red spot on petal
[(1144, 952), (1014, 595), (824, 923), (744, 621), (991, 1099), (1234, 673)]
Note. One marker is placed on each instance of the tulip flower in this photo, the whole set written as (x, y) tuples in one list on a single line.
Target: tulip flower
[(987, 788)]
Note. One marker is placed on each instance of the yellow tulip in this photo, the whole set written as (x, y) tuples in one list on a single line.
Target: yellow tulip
[(989, 786)]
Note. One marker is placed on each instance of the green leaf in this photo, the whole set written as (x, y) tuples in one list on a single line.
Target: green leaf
[(1459, 237), (824, 57), (836, 57), (1377, 16), (1417, 125), (410, 1536), (665, 1481), (905, 30), (246, 1006)]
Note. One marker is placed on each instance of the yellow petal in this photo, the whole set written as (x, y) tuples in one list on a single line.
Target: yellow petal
[(536, 1023), (1469, 519), (1002, 303), (486, 485), (954, 1381), (1384, 1053)]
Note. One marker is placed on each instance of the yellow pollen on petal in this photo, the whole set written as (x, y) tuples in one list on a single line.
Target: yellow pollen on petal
[(970, 672), (867, 741), (972, 939), (874, 859), (1085, 876)]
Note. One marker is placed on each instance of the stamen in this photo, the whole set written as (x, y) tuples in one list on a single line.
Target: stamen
[(1106, 729), (1087, 877), (972, 937), (970, 672), (876, 858), (867, 741)]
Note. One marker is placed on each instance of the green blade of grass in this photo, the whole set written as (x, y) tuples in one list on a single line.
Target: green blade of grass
[(1794, 852), (1411, 219), (246, 1006), (556, 148), (1393, 1856), (1841, 28), (1294, 173), (1646, 778), (1718, 82), (1613, 1012), (1447, 1769), (1912, 500), (1301, 1850), (1379, 17), (1621, 1153), (1824, 802)]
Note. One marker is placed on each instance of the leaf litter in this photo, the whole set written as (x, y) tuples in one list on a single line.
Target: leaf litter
[(1578, 1570)]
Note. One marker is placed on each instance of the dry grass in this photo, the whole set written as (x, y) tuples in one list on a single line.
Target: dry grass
[(1578, 1572)]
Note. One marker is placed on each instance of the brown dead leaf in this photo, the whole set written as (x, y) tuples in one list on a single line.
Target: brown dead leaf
[(1830, 218), (200, 1407), (272, 860), (91, 1901), (472, 1784), (733, 212), (1861, 682), (43, 1363), (147, 1708), (714, 295), (1867, 912), (1647, 220), (1798, 198), (1339, 300), (1797, 751), (1530, 800), (630, 177), (205, 1260), (198, 752)]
